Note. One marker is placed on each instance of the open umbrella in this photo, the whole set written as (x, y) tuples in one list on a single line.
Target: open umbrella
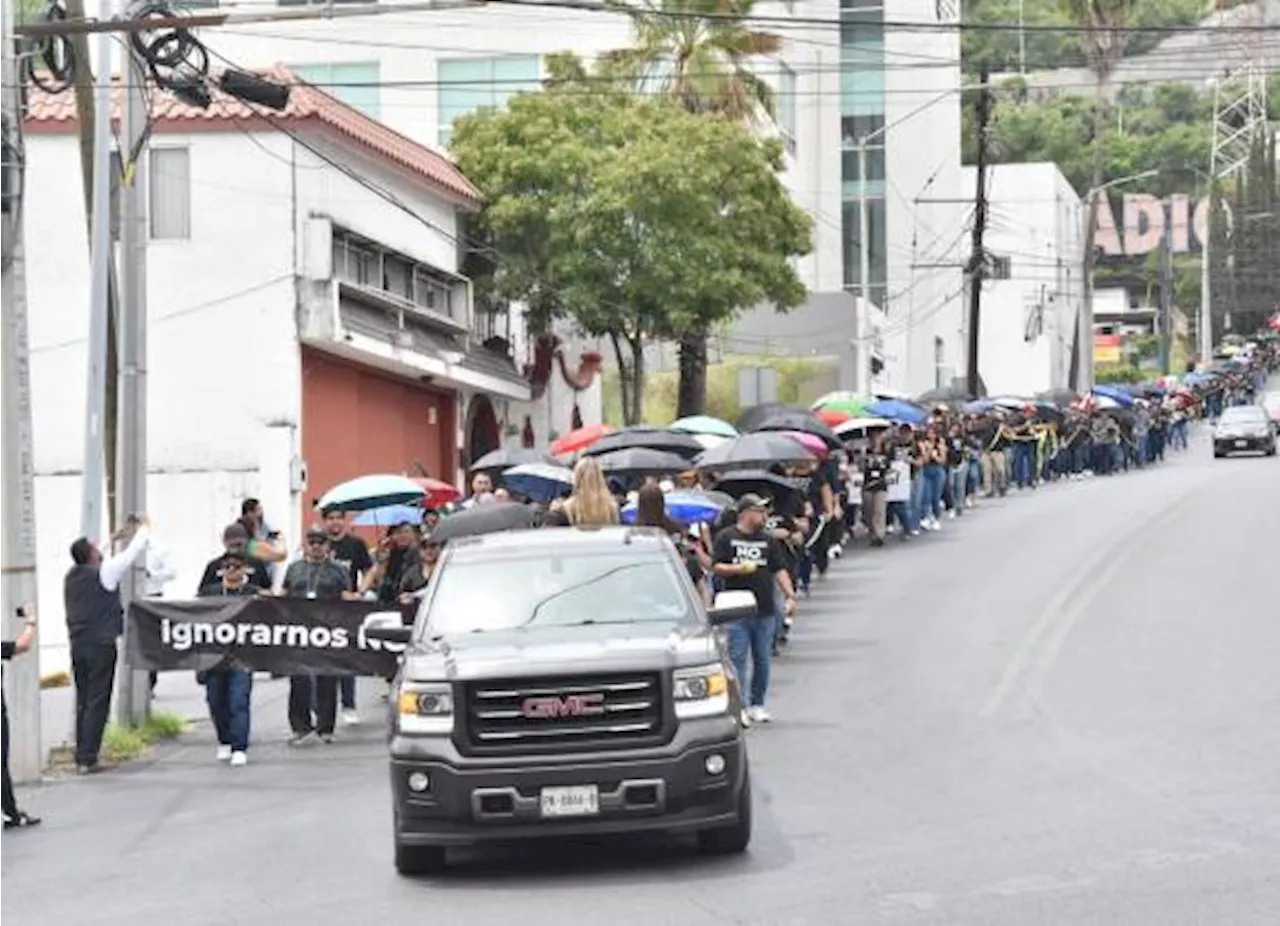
[(1063, 398), (899, 411), (438, 492), (506, 457), (856, 425), (1121, 396), (374, 491), (579, 440), (832, 417), (786, 418), (707, 441), (686, 506), (484, 519), (539, 481), (810, 442), (788, 494), (635, 461), (677, 442), (754, 450), (388, 516), (841, 399), (943, 395), (704, 424)]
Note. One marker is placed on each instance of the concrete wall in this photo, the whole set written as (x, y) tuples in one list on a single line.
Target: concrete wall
[(1027, 321)]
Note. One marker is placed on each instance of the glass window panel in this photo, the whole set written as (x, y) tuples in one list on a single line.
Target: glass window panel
[(787, 85), (851, 235), (354, 83), (170, 199), (850, 163), (467, 84)]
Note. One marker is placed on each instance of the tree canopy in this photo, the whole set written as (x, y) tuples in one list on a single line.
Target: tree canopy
[(629, 215)]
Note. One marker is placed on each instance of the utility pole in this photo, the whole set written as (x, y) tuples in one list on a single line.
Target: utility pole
[(978, 258), (862, 313), (92, 511), (1166, 292), (134, 694), (22, 678)]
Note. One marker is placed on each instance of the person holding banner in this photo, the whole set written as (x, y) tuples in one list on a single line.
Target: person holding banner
[(313, 699), (229, 685)]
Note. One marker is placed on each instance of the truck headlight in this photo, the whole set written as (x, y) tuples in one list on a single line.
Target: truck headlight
[(425, 708), (702, 691)]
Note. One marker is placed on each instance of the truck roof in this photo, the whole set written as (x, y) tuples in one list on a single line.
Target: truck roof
[(558, 539)]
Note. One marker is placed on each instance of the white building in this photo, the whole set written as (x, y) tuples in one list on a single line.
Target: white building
[(841, 75), (304, 328), (1031, 300)]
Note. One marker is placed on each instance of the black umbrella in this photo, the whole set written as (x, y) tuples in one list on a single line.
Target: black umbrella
[(754, 450), (1047, 411), (785, 418), (641, 461), (485, 518), (787, 493), (1062, 398), (684, 445), (504, 458), (943, 395)]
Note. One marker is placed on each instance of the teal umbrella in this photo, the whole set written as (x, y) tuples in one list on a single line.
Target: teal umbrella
[(704, 424)]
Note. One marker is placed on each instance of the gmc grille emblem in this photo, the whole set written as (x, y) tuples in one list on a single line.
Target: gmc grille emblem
[(574, 705)]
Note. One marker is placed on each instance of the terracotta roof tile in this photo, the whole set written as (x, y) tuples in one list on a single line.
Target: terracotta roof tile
[(307, 104)]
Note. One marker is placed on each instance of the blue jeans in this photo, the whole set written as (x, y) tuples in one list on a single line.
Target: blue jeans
[(916, 505), (347, 691), (1023, 465), (228, 692), (959, 487), (751, 649), (934, 477)]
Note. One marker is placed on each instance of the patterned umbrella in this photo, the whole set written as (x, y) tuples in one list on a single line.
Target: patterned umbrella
[(850, 403)]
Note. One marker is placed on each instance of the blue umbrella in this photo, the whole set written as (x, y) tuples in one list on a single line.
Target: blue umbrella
[(685, 506), (899, 411), (539, 481), (391, 514), (365, 492), (1115, 393), (704, 424)]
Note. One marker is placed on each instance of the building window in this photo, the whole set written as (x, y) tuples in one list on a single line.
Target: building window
[(361, 262), (355, 84), (431, 293), (468, 84), (355, 263), (851, 167), (876, 255), (786, 105), (170, 195)]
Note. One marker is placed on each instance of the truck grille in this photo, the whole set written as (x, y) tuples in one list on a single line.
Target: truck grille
[(580, 712)]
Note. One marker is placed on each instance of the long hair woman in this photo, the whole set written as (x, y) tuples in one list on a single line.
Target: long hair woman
[(591, 504), (651, 511)]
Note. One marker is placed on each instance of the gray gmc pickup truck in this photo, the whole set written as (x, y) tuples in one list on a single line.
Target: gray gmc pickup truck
[(564, 682)]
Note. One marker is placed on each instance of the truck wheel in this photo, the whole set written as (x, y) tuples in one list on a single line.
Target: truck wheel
[(732, 839), (419, 860)]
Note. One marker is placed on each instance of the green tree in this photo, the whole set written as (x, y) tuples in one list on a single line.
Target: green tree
[(629, 215), (697, 52)]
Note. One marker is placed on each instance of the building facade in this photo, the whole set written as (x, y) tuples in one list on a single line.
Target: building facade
[(1033, 294), (307, 322)]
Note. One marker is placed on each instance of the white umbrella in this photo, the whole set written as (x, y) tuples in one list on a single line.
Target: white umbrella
[(710, 440), (861, 424), (376, 491)]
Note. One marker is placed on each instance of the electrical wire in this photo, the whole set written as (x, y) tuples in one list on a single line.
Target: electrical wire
[(54, 54)]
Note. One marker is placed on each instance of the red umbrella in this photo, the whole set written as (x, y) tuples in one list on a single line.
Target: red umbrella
[(811, 442), (833, 416), (439, 493), (579, 440)]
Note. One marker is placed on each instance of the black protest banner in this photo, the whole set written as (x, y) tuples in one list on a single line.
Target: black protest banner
[(286, 636)]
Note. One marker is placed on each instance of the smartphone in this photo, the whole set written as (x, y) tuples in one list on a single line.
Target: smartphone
[(21, 612)]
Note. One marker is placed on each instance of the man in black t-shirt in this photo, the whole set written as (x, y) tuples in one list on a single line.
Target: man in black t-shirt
[(349, 552), (748, 558), (875, 486), (238, 546)]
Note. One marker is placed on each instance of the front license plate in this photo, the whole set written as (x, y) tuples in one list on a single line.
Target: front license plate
[(1242, 443), (575, 801)]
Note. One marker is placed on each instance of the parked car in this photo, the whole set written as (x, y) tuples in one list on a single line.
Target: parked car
[(1244, 429), (564, 682)]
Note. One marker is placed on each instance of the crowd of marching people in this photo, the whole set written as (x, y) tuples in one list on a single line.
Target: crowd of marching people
[(763, 506)]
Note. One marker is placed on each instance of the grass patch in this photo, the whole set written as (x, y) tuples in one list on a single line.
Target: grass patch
[(124, 744), (55, 680)]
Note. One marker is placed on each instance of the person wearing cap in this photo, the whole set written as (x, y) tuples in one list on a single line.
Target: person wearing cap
[(229, 684), (237, 542), (316, 577), (747, 558)]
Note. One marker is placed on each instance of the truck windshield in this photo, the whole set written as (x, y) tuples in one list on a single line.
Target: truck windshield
[(550, 589)]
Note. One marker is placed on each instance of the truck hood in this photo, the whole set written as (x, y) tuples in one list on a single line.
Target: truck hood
[(594, 648)]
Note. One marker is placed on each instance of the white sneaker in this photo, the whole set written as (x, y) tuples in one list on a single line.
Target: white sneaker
[(238, 759), (746, 719), (952, 514), (350, 717), (835, 551), (224, 753), (759, 714)]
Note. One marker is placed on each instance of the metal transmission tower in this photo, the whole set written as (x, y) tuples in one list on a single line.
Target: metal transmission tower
[(1239, 121)]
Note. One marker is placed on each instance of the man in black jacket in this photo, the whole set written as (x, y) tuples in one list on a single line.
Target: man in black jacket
[(317, 576), (95, 619)]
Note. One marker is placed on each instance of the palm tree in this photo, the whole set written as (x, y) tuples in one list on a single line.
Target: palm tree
[(697, 52), (1102, 40)]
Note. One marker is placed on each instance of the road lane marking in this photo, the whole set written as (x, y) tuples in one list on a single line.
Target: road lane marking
[(1100, 567)]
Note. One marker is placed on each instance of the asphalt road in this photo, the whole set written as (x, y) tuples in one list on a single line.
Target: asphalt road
[(1061, 709)]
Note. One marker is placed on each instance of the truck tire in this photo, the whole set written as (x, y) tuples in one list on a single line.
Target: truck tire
[(734, 838), (419, 860)]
